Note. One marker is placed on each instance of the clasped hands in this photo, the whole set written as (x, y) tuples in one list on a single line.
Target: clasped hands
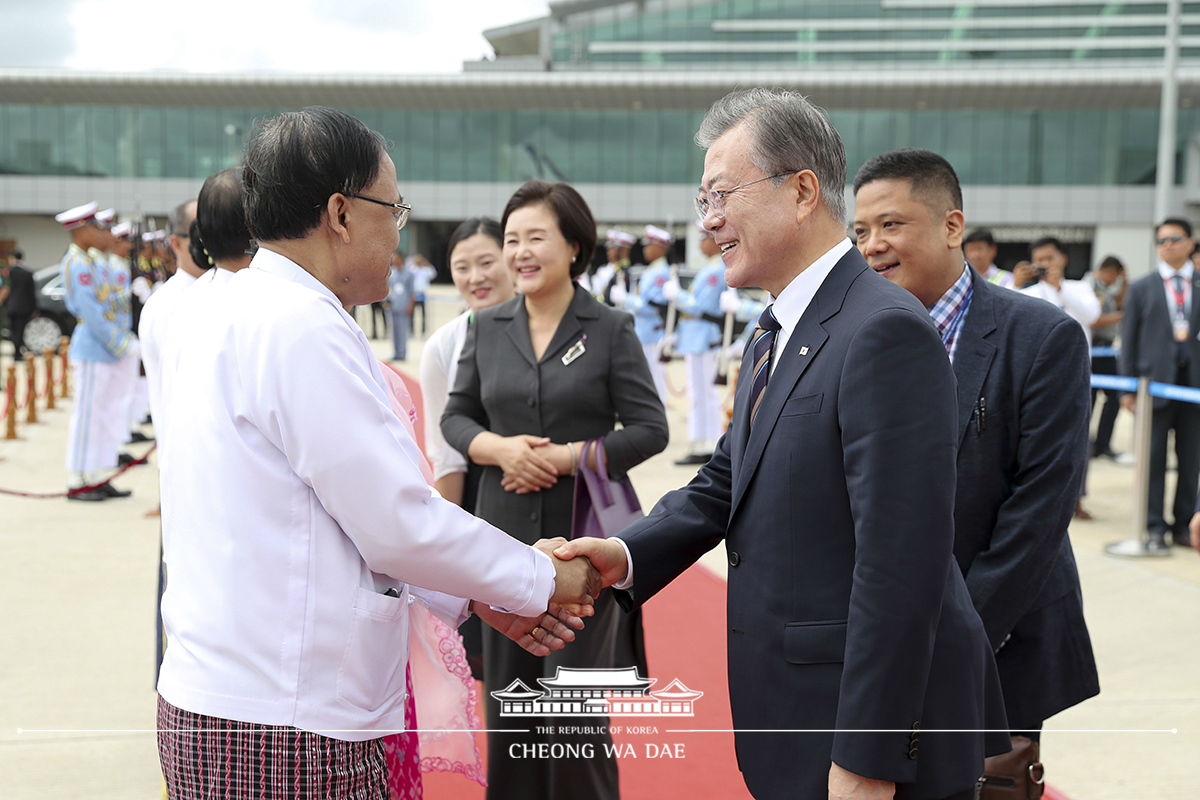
[(532, 463), (581, 569)]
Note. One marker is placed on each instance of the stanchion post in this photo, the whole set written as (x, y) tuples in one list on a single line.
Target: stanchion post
[(10, 387), (1138, 544), (64, 346), (49, 379), (31, 397)]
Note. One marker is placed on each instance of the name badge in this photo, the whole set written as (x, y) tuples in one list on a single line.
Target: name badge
[(1181, 330), (575, 352)]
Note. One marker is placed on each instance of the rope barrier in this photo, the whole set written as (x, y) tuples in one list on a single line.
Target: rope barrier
[(81, 489), (1122, 383), (1102, 351)]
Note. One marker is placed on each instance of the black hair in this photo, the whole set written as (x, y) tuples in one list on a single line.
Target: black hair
[(219, 231), (1048, 240), (485, 225), (575, 219), (296, 160), (18, 255), (980, 235), (1111, 261), (1178, 222), (928, 173)]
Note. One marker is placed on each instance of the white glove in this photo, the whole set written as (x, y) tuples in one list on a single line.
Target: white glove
[(730, 301), (618, 294), (671, 290)]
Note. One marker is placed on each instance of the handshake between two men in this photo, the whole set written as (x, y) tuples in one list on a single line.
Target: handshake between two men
[(581, 569)]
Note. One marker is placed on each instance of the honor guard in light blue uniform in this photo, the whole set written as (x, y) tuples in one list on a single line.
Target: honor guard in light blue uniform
[(139, 292), (648, 306), (95, 295), (698, 339)]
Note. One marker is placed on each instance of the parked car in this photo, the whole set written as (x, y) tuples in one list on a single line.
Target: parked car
[(53, 321)]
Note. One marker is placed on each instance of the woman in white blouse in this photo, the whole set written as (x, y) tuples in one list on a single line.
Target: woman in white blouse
[(477, 267)]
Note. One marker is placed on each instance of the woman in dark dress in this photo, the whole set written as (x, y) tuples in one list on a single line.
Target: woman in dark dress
[(522, 407)]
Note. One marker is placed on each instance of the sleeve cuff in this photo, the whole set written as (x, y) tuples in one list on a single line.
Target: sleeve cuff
[(543, 587), (627, 583)]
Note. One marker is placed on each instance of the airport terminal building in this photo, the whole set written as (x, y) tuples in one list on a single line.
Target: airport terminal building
[(1048, 109)]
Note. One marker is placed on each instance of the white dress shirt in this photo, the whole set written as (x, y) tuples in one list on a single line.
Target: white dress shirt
[(789, 307), (1076, 298), (292, 504), (439, 367), (157, 316)]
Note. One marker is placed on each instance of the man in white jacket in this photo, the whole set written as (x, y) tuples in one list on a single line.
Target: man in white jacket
[(297, 525)]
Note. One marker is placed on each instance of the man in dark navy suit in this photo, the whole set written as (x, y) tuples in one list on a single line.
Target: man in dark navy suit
[(853, 644), (1023, 411)]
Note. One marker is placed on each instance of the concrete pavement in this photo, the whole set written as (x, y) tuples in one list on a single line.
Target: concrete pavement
[(77, 590)]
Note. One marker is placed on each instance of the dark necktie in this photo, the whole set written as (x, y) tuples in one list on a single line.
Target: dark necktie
[(1181, 347), (764, 343)]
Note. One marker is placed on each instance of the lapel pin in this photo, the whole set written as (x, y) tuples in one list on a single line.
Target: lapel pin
[(804, 350), (575, 352)]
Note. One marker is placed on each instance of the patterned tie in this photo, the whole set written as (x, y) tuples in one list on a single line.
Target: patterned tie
[(764, 343)]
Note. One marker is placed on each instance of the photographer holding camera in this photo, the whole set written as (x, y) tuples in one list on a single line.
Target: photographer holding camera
[(1074, 297)]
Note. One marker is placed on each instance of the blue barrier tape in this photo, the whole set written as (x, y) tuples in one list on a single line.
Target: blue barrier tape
[(1101, 351), (1122, 383), (1117, 383)]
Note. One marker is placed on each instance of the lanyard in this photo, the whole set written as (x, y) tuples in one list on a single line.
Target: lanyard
[(1178, 294)]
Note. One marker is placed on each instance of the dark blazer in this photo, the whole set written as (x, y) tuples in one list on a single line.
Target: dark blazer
[(22, 301), (845, 610), (502, 388), (1020, 466), (1147, 335)]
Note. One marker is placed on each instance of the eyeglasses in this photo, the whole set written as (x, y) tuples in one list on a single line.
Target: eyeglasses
[(399, 210), (713, 201), (1172, 239)]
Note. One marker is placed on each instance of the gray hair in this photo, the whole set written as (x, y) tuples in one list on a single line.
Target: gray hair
[(789, 134), (179, 221)]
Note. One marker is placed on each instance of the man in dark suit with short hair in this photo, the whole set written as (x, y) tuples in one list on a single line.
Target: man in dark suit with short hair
[(1159, 340), (850, 630), (1023, 412)]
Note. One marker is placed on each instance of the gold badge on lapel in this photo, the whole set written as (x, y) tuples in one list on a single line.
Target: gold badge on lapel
[(575, 352)]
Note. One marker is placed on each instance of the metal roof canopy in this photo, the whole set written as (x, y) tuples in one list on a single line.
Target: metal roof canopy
[(1121, 85)]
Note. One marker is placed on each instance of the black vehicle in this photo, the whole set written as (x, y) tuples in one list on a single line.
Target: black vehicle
[(53, 320)]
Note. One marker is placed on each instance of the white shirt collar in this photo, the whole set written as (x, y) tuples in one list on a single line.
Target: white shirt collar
[(795, 298), (283, 267), (1166, 271)]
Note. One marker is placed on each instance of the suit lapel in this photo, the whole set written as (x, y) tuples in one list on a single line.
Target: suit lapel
[(518, 330), (809, 336), (975, 353)]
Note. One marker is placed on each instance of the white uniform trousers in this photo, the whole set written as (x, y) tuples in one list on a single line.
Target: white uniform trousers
[(92, 442), (657, 369), (131, 367), (705, 420)]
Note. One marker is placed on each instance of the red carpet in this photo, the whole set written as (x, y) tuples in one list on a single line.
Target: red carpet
[(685, 640)]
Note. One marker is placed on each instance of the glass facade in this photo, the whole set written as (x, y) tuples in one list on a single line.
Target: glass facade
[(987, 147), (679, 34)]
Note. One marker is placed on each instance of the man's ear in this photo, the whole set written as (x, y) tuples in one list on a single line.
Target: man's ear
[(955, 224), (808, 193), (336, 211)]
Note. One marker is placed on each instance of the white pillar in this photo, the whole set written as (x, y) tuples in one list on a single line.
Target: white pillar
[(1164, 180)]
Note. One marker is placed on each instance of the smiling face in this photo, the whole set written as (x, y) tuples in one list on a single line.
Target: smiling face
[(908, 239), (536, 253), (758, 236), (368, 236), (479, 273)]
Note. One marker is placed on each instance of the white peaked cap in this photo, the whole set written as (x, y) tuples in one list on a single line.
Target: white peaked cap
[(123, 230), (656, 235), (75, 217), (106, 217), (618, 238)]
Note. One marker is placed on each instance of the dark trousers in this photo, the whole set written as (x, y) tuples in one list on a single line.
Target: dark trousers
[(1105, 365), (378, 312), (515, 772), (1184, 419), (16, 332)]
